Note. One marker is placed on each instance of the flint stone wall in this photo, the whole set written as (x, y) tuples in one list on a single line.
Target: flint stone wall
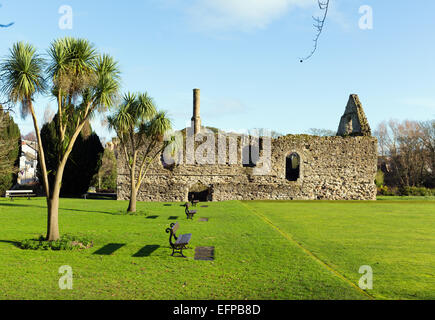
[(332, 168)]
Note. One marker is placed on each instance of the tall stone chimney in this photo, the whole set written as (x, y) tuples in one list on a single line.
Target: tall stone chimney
[(196, 119)]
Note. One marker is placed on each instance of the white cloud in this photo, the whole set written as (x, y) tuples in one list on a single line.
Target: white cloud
[(240, 14)]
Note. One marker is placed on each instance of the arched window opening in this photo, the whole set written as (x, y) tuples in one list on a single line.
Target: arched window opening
[(292, 168)]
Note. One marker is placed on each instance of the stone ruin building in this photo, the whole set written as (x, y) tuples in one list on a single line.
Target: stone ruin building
[(297, 167)]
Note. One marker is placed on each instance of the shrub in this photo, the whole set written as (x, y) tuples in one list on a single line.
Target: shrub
[(66, 242), (387, 191), (417, 191)]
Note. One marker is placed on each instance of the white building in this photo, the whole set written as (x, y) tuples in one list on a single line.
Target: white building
[(28, 162)]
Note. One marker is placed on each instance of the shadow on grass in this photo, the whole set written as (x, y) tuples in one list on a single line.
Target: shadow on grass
[(13, 204), (79, 210), (45, 207), (173, 218), (114, 213), (146, 251), (109, 249), (15, 243)]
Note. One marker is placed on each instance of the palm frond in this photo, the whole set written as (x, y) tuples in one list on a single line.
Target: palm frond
[(22, 75), (145, 107), (158, 126)]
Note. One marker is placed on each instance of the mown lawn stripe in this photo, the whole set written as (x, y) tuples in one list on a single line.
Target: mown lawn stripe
[(308, 252)]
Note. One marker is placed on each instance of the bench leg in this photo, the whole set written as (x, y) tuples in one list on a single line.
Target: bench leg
[(180, 251)]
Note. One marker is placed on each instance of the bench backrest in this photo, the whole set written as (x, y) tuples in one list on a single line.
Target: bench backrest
[(19, 191), (171, 230), (8, 192), (175, 228)]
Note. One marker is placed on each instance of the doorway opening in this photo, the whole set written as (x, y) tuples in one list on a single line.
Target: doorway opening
[(293, 166), (200, 192)]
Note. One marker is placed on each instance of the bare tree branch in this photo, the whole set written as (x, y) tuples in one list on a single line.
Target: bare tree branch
[(319, 24), (5, 25)]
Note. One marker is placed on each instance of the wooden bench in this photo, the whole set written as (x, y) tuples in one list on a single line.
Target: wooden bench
[(189, 213), (180, 242), (19, 194)]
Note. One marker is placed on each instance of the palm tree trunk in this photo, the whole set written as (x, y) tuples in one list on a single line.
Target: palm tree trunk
[(53, 207), (50, 222), (132, 203), (53, 218), (133, 193)]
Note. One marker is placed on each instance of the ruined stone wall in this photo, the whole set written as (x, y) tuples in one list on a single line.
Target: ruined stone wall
[(334, 168)]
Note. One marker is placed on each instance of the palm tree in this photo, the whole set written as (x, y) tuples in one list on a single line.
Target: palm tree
[(22, 78), (140, 129), (83, 83), (77, 74)]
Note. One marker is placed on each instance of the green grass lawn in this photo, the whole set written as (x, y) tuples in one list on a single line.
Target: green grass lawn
[(263, 250)]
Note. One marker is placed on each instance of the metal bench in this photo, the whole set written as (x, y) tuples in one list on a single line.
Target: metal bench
[(189, 213), (19, 194), (180, 242)]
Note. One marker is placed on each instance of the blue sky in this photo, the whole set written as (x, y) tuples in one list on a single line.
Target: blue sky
[(244, 56)]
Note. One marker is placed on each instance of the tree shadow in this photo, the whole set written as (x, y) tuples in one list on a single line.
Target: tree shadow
[(13, 204), (15, 243), (109, 249), (79, 210), (146, 251)]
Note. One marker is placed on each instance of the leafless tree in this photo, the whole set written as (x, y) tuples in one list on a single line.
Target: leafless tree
[(407, 152), (381, 133), (319, 24), (322, 132), (31, 136), (428, 140)]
